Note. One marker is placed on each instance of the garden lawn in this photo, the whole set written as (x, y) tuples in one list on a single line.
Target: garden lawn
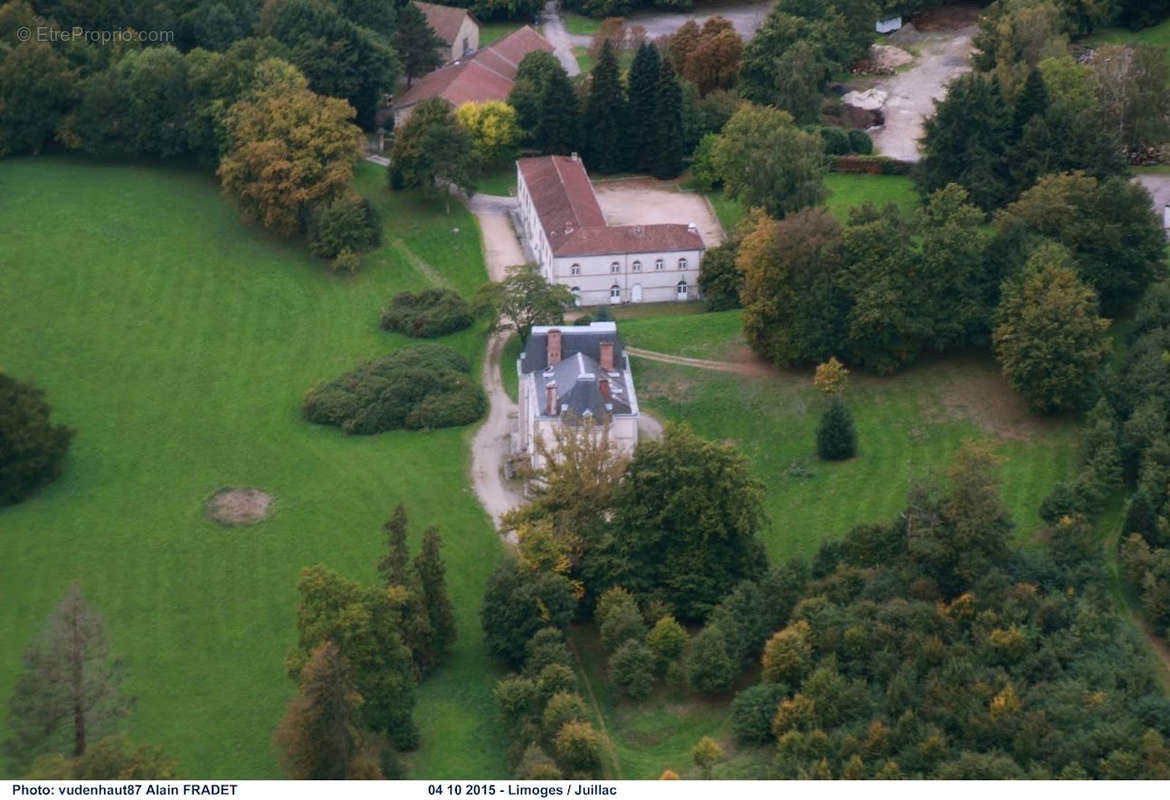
[(580, 25), (178, 343), (1155, 34), (845, 192), (492, 32)]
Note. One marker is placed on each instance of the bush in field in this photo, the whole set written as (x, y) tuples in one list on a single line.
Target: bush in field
[(631, 669), (424, 386), (860, 142), (427, 314), (836, 435), (752, 711), (347, 223), (31, 449)]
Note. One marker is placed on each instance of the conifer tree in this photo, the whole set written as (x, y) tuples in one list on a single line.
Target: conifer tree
[(606, 117), (1033, 101), (643, 94), (316, 738), (560, 119), (415, 42), (395, 569), (836, 436), (667, 157), (432, 574), (393, 566)]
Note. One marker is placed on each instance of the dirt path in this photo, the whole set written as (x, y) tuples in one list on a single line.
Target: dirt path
[(754, 368), (553, 29), (746, 17), (944, 55)]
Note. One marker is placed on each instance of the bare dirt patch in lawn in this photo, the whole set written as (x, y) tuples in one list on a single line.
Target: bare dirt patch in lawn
[(645, 201), (232, 507), (975, 390)]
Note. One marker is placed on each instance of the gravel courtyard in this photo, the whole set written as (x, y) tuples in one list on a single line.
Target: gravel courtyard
[(644, 201)]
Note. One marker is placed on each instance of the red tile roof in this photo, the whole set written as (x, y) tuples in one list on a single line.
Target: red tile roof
[(485, 75), (445, 21), (572, 219)]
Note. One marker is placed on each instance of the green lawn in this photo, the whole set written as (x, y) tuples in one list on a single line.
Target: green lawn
[(179, 343), (717, 335), (579, 24), (498, 180), (508, 375), (1156, 34), (845, 192)]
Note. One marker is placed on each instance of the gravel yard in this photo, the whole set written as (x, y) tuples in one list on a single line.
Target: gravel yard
[(644, 201)]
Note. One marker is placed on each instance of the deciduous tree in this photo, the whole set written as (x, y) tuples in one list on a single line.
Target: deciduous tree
[(32, 449), (495, 133), (433, 151), (523, 299)]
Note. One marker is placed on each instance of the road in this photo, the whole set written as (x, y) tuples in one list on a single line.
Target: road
[(944, 55), (746, 17), (553, 29), (492, 442)]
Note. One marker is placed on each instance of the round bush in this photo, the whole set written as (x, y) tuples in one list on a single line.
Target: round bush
[(752, 712), (31, 449), (860, 142), (836, 141), (427, 314), (347, 223), (631, 669), (425, 386), (836, 436)]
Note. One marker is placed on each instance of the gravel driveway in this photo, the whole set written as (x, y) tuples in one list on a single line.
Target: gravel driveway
[(645, 201), (944, 55)]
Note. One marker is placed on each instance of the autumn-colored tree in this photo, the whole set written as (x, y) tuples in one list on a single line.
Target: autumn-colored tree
[(831, 377), (683, 42), (70, 687), (706, 754), (288, 148), (320, 735), (1049, 338), (495, 132), (579, 748), (788, 654), (713, 60)]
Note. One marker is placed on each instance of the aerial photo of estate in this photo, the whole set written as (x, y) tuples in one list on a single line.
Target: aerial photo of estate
[(593, 390)]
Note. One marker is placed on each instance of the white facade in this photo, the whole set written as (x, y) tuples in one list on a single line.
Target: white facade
[(611, 279)]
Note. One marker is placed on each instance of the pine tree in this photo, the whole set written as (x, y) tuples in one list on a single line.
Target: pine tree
[(70, 687), (642, 95), (415, 42), (557, 129), (1140, 517), (836, 436), (1033, 101), (606, 119), (667, 158), (393, 566), (432, 574), (317, 736)]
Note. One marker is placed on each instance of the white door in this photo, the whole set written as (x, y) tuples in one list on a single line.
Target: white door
[(636, 293)]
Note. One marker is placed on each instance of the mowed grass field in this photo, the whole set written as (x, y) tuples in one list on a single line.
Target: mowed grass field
[(845, 192), (179, 342)]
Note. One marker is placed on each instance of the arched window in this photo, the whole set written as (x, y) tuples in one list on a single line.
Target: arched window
[(682, 290), (575, 269), (615, 267), (637, 266), (682, 263), (659, 264), (615, 292)]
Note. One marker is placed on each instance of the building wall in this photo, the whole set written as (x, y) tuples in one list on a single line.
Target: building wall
[(596, 277), (466, 41)]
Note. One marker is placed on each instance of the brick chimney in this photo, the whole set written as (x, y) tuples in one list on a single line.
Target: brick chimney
[(607, 356), (550, 399), (554, 347)]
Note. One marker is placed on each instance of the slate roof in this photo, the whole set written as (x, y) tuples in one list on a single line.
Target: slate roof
[(484, 75), (445, 21), (578, 375), (571, 217)]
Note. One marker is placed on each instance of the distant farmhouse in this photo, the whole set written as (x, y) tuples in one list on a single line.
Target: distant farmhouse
[(455, 26), (572, 374), (601, 264), (483, 75)]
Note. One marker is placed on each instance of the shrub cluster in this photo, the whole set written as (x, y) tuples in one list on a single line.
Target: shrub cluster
[(427, 314), (347, 223), (423, 386), (31, 448), (843, 142)]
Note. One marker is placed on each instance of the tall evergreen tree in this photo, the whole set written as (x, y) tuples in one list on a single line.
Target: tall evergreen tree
[(560, 119), (415, 42), (432, 575), (667, 157), (393, 565), (642, 96), (607, 135), (1032, 101)]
